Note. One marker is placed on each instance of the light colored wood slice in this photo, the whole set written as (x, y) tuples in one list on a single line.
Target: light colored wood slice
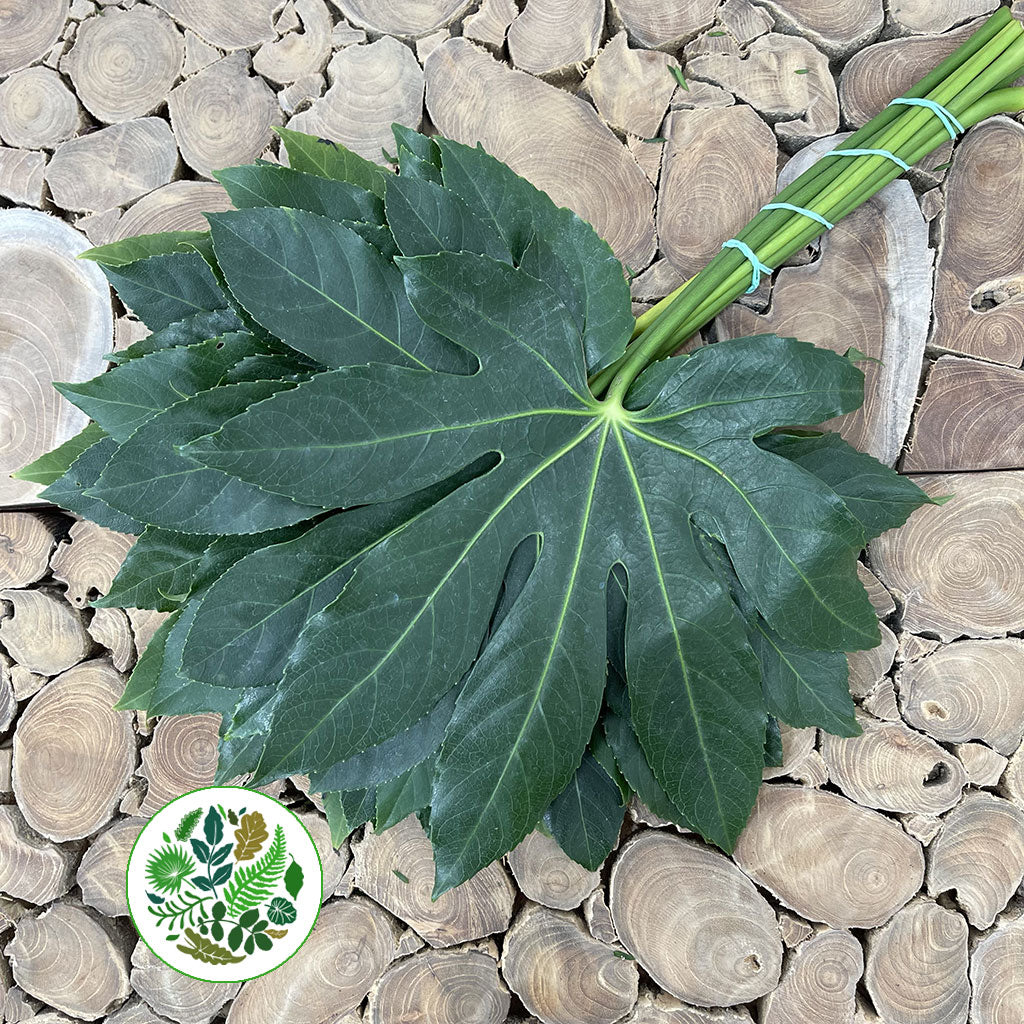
[(298, 53), (25, 683), (980, 855), (428, 44), (402, 17), (797, 745), (660, 1008), (198, 53), (913, 647), (144, 624), (631, 88), (562, 974), (958, 569), (881, 702), (489, 23), (409, 942), (599, 917), (41, 632), (11, 912), (102, 871), (917, 966), (785, 78), (921, 16), (829, 859), (997, 976), (113, 166), (124, 63), (663, 24), (701, 143), (372, 87), (699, 96), (983, 765), (967, 691), (440, 986), (99, 228), (744, 20), (819, 981), (73, 755), (6, 786), (648, 156), (133, 797), (87, 562), (661, 277), (969, 419), (177, 996), (812, 771), (893, 768), (28, 28), (549, 36), (345, 34), (868, 668), (333, 861), (226, 24), (923, 827), (71, 960), (37, 110), (873, 276), (41, 272), (839, 27), (352, 943), (694, 921), (110, 628), (21, 176), (1013, 778), (880, 598), (980, 257), (135, 1011), (532, 126), (300, 94), (26, 540), (182, 756), (548, 876), (794, 929), (222, 116), (481, 906), (31, 868)]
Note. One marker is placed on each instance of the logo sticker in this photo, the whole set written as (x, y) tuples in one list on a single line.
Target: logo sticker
[(224, 884)]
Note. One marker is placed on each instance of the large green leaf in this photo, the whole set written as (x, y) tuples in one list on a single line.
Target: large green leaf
[(585, 818), (332, 160), (49, 468)]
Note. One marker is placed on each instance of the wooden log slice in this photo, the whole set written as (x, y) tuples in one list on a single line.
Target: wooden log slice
[(663, 24), (37, 109), (549, 37), (222, 116), (372, 87), (73, 755), (333, 860), (440, 986), (660, 1008), (88, 560), (983, 765), (406, 18), (980, 854), (42, 272), (555, 140), (28, 28), (145, 623), (828, 859), (562, 974), (223, 23), (481, 906), (980, 257), (113, 166), (41, 632), (700, 144), (819, 981), (548, 876), (869, 668), (68, 958), (937, 15), (135, 1011), (893, 768), (797, 745), (110, 628), (298, 54), (969, 419), (31, 868), (959, 569), (694, 921), (873, 276), (182, 756), (101, 875), (124, 63), (26, 540), (917, 966), (967, 691), (351, 944), (997, 980), (794, 929), (177, 996), (489, 23), (21, 176), (599, 917), (839, 27), (881, 599)]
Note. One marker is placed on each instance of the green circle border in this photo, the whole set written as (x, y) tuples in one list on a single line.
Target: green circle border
[(263, 974)]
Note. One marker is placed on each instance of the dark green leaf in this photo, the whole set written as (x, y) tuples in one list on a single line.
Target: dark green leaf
[(418, 156), (332, 160), (213, 827), (222, 874), (49, 468), (263, 940), (773, 752), (189, 331), (292, 881), (142, 683), (585, 818), (141, 247), (348, 810), (400, 797), (248, 919)]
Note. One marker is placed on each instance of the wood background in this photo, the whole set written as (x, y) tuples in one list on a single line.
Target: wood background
[(879, 878)]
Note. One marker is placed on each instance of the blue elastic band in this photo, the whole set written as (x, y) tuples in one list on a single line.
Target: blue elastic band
[(757, 267), (870, 152), (949, 122), (799, 209)]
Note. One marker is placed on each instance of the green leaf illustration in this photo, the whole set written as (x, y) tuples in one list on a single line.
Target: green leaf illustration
[(293, 880), (253, 883), (281, 911), (188, 823), (168, 867), (207, 950)]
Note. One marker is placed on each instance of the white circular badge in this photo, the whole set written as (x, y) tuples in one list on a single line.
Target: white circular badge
[(224, 884)]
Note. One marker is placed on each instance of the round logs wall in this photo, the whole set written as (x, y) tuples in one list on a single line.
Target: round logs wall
[(879, 881)]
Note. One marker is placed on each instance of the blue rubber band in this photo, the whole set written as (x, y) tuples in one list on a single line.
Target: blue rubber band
[(870, 152), (949, 122), (757, 268), (799, 209)]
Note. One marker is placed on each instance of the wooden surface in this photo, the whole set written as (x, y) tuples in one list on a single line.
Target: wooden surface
[(879, 880)]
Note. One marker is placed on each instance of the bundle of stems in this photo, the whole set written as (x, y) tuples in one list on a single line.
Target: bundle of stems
[(973, 83)]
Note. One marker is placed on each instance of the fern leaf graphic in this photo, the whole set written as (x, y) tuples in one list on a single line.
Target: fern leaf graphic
[(255, 882), (187, 825)]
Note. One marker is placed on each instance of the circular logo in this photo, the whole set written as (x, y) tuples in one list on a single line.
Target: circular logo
[(224, 884)]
